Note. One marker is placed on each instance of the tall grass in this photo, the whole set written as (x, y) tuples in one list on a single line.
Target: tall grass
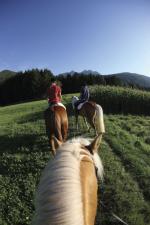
[(121, 100)]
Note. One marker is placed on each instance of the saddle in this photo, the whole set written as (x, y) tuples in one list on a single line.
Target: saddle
[(56, 104), (91, 103), (87, 102)]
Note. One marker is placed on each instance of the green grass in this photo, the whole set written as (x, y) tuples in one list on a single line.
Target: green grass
[(24, 153)]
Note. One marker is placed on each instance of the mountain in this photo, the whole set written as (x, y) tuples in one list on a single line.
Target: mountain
[(126, 77), (5, 74), (85, 72), (133, 79)]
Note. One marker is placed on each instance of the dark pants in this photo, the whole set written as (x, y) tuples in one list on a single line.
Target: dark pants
[(79, 101)]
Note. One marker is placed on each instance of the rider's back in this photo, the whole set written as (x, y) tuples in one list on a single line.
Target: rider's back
[(84, 93), (54, 94)]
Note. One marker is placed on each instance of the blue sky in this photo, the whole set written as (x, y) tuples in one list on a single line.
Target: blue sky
[(109, 36)]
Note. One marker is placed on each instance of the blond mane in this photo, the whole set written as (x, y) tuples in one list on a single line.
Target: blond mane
[(59, 197)]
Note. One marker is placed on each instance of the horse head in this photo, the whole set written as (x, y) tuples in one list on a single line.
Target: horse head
[(67, 192)]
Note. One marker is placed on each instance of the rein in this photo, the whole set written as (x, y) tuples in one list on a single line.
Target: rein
[(113, 214)]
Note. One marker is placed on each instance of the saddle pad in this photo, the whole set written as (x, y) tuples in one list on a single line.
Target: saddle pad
[(60, 104), (80, 105)]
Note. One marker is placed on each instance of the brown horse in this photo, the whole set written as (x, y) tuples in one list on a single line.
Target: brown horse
[(67, 193), (56, 121), (91, 112)]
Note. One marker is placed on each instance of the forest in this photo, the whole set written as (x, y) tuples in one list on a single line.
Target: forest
[(33, 84)]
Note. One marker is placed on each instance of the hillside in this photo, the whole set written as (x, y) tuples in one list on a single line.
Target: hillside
[(133, 78), (5, 74), (124, 152), (126, 77), (84, 72)]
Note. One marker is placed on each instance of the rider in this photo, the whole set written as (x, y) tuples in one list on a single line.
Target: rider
[(54, 93), (84, 95)]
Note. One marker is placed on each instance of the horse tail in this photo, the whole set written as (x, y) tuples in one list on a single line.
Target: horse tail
[(99, 119)]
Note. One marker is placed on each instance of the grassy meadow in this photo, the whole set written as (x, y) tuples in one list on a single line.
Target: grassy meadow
[(125, 153)]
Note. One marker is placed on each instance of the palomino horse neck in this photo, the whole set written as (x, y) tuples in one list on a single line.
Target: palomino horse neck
[(89, 189), (56, 121), (67, 193)]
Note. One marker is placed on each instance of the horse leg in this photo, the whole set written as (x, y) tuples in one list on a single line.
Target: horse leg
[(94, 126), (86, 123), (52, 145), (64, 130), (77, 127), (90, 120), (92, 123), (58, 129), (51, 142)]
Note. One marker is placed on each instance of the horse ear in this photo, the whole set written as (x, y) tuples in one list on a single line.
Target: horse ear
[(57, 143), (93, 147)]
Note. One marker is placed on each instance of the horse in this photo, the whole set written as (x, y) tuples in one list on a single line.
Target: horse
[(91, 112), (56, 122), (67, 191)]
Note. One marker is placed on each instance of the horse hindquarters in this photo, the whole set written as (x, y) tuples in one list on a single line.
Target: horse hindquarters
[(61, 125), (64, 128), (88, 112), (56, 122), (57, 126)]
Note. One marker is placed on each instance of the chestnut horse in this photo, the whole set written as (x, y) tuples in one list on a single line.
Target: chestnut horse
[(56, 121), (91, 112), (67, 193)]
